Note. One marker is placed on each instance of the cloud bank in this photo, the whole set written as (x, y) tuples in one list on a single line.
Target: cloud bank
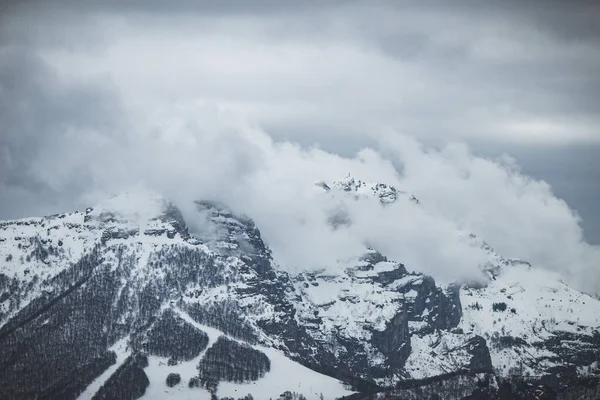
[(198, 150), (208, 105)]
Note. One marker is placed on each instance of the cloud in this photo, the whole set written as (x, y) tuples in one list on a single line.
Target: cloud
[(518, 215), (214, 105), (39, 115), (199, 150), (435, 72)]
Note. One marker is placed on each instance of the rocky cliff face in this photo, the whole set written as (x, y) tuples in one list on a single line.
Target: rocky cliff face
[(123, 292)]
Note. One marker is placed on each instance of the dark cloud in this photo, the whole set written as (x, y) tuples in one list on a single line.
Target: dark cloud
[(38, 114)]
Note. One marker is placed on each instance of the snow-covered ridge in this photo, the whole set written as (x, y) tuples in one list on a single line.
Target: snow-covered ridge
[(368, 319), (386, 194), (33, 251)]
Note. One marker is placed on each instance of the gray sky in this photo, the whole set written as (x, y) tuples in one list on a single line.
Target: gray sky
[(85, 86)]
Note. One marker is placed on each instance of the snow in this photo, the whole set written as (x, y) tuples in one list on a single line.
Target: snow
[(21, 239), (72, 235), (382, 266), (285, 374), (405, 280), (122, 351), (15, 244), (536, 295), (436, 354), (348, 303), (589, 369), (386, 194), (158, 369), (538, 304), (325, 293)]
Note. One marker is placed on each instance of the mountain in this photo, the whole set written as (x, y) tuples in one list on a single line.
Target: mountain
[(123, 301)]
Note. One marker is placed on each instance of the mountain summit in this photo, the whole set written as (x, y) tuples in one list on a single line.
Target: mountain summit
[(386, 194), (122, 301)]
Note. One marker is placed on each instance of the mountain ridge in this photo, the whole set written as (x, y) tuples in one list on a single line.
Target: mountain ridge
[(126, 264)]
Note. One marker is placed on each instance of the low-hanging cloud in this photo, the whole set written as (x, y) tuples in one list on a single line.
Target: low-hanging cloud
[(520, 216)]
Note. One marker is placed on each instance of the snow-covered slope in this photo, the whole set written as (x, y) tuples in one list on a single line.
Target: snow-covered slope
[(284, 375), (529, 317)]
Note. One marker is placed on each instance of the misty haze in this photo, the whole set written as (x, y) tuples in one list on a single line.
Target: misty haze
[(299, 200)]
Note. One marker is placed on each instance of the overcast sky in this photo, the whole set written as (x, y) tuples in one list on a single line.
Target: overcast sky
[(84, 87)]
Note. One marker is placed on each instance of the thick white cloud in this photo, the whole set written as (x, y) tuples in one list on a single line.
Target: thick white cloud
[(518, 215)]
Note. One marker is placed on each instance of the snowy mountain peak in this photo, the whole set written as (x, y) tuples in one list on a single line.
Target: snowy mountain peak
[(387, 194)]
